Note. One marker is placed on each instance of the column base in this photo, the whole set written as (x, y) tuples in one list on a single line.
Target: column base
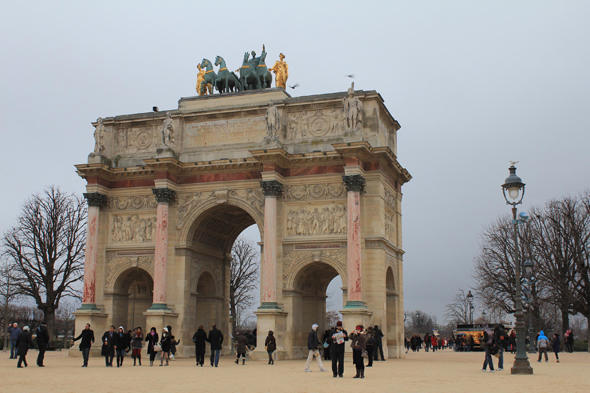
[(521, 367), (267, 319), (269, 306), (159, 318), (159, 307), (355, 304), (353, 316), (88, 307)]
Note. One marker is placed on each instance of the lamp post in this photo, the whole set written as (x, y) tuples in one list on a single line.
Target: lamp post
[(513, 186), (470, 301), (529, 271)]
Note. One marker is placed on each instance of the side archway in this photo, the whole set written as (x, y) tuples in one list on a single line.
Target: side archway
[(132, 294)]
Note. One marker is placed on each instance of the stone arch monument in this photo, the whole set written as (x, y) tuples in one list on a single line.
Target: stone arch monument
[(169, 192)]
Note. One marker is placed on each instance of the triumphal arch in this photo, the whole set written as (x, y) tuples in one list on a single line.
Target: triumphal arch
[(169, 191)]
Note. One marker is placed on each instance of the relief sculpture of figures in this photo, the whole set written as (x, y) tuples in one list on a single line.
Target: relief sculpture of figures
[(191, 201), (281, 69), (99, 136), (133, 229), (317, 221), (273, 121), (352, 109), (168, 131)]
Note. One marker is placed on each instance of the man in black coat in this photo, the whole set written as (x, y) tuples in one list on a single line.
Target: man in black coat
[(108, 346), (42, 340), (24, 342), (216, 340), (339, 336), (87, 337), (378, 343), (200, 340)]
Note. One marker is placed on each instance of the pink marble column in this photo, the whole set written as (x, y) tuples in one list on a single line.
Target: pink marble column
[(271, 189), (164, 197), (95, 202), (355, 185)]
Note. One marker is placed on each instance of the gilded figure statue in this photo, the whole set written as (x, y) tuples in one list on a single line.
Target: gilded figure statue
[(201, 90), (281, 70)]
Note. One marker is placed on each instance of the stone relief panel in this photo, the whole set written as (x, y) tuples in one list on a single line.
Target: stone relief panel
[(314, 191), (390, 225), (188, 204), (137, 140), (133, 202), (115, 266), (315, 124), (133, 228), (390, 200), (317, 220), (210, 264), (224, 132), (294, 259)]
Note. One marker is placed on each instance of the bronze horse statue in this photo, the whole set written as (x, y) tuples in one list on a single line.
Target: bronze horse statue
[(264, 75), (210, 75), (248, 77), (226, 81)]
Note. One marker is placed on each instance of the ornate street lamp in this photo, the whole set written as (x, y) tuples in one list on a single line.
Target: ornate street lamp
[(470, 301), (529, 272), (513, 189)]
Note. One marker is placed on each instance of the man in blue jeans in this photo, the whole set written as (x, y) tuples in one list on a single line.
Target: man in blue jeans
[(216, 340), (14, 333), (500, 339), (488, 341)]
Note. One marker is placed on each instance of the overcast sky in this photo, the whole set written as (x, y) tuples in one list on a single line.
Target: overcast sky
[(473, 85)]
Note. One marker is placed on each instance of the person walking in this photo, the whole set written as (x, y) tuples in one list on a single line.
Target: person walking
[(500, 340), (173, 344), (23, 343), (87, 339), (434, 343), (313, 343), (326, 342), (14, 332), (136, 345), (371, 347), (241, 344), (488, 341), (42, 340), (152, 340), (570, 341), (271, 346), (200, 340), (556, 345), (358, 344), (215, 338), (108, 346), (378, 333), (337, 349), (427, 342), (120, 344), (542, 345), (165, 343)]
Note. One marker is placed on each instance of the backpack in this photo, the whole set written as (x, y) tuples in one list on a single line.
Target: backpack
[(542, 343)]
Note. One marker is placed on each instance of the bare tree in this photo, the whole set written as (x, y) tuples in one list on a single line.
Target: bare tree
[(458, 310), (9, 293), (418, 322), (243, 279), (46, 248)]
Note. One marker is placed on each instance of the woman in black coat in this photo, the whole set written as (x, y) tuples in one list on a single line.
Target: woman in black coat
[(165, 342), (152, 340), (200, 340), (24, 342), (556, 344), (242, 343), (271, 345), (108, 346), (87, 337)]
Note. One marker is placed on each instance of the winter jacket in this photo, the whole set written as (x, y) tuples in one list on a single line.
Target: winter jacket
[(24, 341), (200, 340), (242, 342), (137, 341), (378, 336), (215, 338), (335, 347), (87, 337), (358, 340), (15, 333), (313, 340), (556, 343), (270, 343), (152, 339), (165, 342), (542, 341), (108, 344), (42, 335)]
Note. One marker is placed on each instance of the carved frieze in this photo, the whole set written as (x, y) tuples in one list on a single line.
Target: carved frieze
[(114, 265), (390, 225), (136, 140), (318, 220), (133, 229), (133, 202), (314, 191), (190, 202), (315, 124), (390, 200)]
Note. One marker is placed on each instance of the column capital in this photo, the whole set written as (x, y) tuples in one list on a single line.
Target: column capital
[(164, 195), (271, 188), (96, 199), (354, 182)]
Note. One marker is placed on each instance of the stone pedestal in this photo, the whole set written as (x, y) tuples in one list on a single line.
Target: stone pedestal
[(275, 320), (96, 158), (353, 316), (166, 152), (98, 323), (159, 319)]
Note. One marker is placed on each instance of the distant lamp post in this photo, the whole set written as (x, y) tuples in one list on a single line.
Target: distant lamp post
[(470, 301), (513, 189), (530, 273), (483, 315)]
